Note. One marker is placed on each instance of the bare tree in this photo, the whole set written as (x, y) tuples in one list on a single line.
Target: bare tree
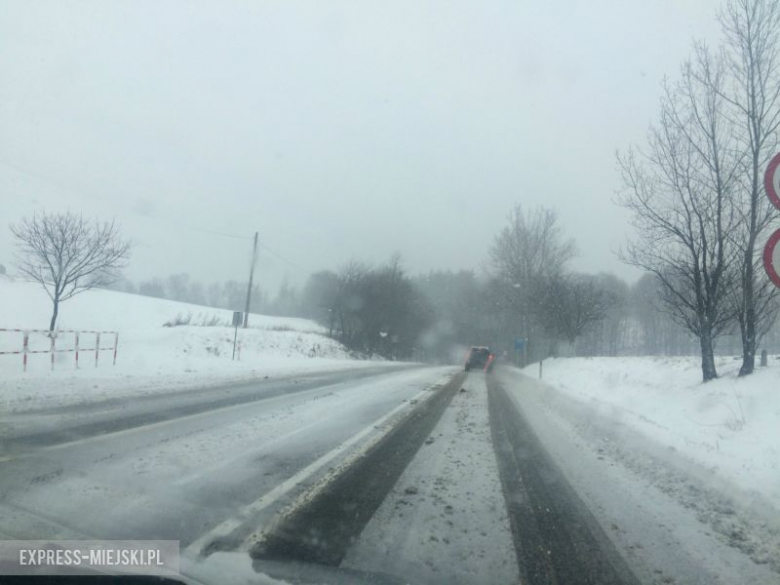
[(529, 250), (532, 244), (320, 298), (680, 194), (371, 310), (752, 30), (349, 302), (655, 332), (572, 303), (67, 254), (612, 334)]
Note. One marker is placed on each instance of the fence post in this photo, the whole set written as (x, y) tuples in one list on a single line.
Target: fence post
[(116, 344), (77, 350), (97, 348), (25, 348)]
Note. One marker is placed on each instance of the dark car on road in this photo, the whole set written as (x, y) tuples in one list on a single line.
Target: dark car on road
[(477, 357)]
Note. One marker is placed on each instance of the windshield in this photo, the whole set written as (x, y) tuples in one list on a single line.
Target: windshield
[(390, 292)]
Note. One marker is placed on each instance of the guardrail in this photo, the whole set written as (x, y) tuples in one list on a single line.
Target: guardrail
[(53, 349)]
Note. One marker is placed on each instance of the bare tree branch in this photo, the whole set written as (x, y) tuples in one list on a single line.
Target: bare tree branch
[(67, 254), (681, 197)]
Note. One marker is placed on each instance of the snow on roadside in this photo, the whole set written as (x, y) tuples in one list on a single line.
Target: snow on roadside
[(727, 426), (151, 358), (672, 521)]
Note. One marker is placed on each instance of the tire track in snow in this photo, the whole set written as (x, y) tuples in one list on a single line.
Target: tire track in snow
[(445, 521), (556, 537), (320, 527)]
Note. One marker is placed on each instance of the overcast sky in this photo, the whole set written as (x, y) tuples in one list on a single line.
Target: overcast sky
[(335, 129)]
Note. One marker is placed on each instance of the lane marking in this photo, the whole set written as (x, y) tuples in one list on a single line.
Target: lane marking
[(271, 497)]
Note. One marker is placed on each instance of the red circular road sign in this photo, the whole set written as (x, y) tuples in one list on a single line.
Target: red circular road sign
[(772, 258), (772, 180)]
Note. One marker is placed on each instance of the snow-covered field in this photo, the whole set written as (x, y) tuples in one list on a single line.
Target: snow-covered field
[(151, 357), (729, 426)]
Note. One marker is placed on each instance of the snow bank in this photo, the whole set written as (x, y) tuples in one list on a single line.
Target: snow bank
[(729, 426), (151, 357)]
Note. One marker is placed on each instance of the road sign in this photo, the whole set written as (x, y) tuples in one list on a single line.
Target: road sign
[(772, 258), (519, 344), (772, 180), (237, 320)]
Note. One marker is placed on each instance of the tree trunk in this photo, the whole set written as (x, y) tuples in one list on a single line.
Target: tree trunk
[(748, 331), (748, 322), (707, 356), (55, 312)]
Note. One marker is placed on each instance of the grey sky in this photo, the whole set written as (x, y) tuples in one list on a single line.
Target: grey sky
[(336, 129)]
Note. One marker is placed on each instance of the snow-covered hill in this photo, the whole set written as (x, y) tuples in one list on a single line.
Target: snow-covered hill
[(151, 357)]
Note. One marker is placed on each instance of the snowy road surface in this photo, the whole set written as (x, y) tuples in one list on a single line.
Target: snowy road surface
[(420, 475), (445, 520), (177, 471)]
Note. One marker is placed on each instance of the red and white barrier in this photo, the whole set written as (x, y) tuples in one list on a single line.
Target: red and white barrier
[(53, 336)]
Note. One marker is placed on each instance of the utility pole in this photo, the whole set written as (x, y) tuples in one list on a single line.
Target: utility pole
[(249, 288)]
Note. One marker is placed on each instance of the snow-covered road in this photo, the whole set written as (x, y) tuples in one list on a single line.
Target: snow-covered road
[(445, 520), (514, 484), (180, 475), (426, 475)]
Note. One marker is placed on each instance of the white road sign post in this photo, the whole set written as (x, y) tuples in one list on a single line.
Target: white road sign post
[(772, 248)]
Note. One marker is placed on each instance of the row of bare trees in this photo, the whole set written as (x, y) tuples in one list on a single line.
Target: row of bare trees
[(372, 310), (529, 293), (533, 294), (695, 192), (469, 308)]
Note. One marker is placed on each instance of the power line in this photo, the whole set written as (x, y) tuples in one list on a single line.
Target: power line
[(282, 258)]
